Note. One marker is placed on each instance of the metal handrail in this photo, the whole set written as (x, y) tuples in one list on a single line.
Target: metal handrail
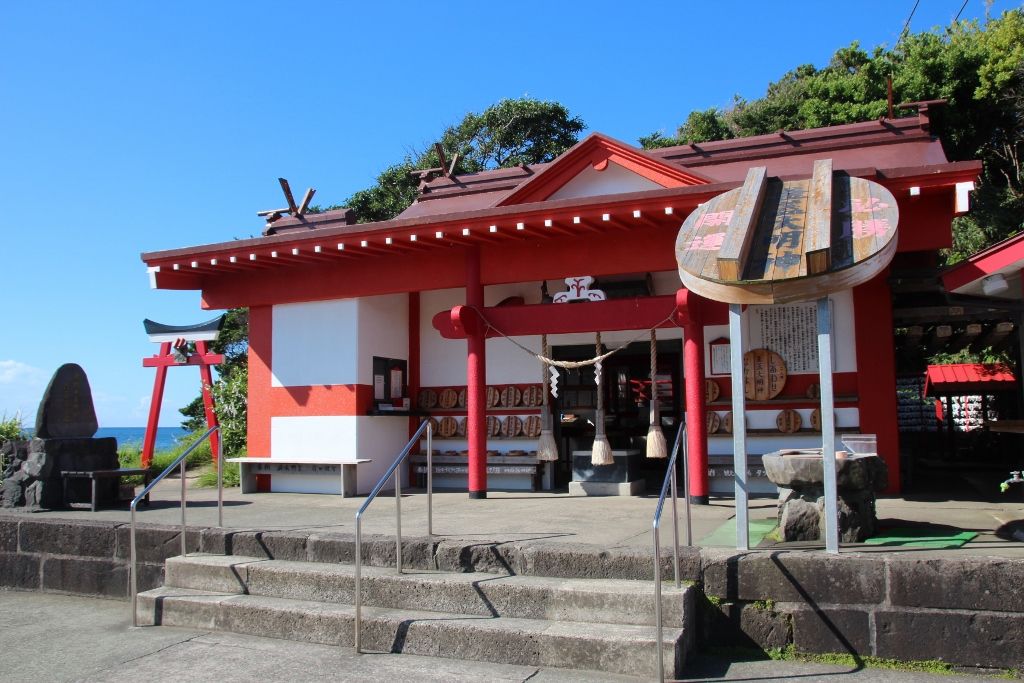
[(667, 484), (425, 426), (180, 460)]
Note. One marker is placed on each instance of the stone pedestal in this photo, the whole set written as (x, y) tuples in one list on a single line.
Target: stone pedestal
[(800, 478), (65, 426)]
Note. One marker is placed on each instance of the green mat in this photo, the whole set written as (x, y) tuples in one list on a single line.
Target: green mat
[(726, 534), (921, 537)]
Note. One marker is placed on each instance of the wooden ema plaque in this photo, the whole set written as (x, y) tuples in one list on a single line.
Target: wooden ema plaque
[(788, 421), (727, 423), (775, 241), (714, 421), (447, 427), (448, 398), (764, 374), (711, 390)]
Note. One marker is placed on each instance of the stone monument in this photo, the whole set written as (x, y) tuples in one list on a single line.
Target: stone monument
[(799, 474), (63, 441)]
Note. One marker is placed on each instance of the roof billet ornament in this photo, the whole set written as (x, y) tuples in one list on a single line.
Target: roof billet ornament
[(296, 211), (446, 169)]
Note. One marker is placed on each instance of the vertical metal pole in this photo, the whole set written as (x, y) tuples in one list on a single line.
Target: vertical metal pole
[(739, 425), (430, 480), (675, 526), (358, 586), (183, 551), (398, 519), (657, 603), (134, 573), (220, 482), (828, 425), (686, 488)]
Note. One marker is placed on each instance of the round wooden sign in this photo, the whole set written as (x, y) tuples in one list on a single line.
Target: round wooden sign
[(711, 391), (447, 427), (775, 241), (462, 397), (462, 427), (493, 394), (714, 422), (447, 398), (509, 396), (532, 426), (788, 421), (727, 423), (816, 419), (428, 399), (814, 391), (433, 425), (764, 374), (493, 426), (511, 427), (533, 395)]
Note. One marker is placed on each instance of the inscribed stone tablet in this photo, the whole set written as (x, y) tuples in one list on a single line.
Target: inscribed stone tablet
[(66, 410)]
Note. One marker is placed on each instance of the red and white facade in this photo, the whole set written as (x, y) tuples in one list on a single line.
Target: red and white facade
[(326, 296)]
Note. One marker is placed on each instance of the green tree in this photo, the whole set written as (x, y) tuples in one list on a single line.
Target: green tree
[(978, 68), (508, 133)]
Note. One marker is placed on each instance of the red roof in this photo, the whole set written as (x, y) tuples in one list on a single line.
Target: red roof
[(964, 379)]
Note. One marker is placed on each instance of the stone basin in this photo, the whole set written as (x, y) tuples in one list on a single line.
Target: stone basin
[(799, 474), (802, 469)]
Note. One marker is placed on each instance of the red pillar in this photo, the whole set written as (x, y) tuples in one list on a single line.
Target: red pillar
[(876, 370), (208, 407), (689, 308), (149, 441), (476, 382)]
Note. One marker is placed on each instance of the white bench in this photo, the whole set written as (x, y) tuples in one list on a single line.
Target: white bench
[(301, 475)]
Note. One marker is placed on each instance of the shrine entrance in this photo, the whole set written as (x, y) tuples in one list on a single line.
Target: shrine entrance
[(627, 391)]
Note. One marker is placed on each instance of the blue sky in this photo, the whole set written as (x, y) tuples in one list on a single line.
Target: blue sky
[(137, 126)]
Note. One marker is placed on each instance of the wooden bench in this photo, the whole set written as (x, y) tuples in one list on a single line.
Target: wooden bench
[(297, 470), (95, 475)]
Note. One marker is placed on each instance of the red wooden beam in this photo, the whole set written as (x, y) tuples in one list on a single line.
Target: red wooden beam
[(640, 313), (195, 359)]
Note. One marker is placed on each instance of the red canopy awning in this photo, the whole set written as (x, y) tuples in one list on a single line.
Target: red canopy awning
[(968, 378)]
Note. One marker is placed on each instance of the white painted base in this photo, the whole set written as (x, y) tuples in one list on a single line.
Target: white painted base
[(606, 488)]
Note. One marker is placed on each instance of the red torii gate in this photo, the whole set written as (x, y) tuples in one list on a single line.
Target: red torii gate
[(178, 337)]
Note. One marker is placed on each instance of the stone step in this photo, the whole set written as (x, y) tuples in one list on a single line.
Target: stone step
[(610, 601), (612, 648)]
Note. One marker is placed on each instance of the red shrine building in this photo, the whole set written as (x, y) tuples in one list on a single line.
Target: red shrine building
[(359, 331)]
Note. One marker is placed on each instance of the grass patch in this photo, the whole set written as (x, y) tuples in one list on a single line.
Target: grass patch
[(130, 454), (208, 478), (931, 666)]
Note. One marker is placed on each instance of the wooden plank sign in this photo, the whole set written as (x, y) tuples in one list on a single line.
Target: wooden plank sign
[(764, 374), (774, 241)]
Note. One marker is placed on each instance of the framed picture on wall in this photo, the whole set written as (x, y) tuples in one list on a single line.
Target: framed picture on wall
[(720, 361)]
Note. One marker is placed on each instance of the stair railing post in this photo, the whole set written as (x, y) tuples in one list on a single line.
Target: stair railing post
[(220, 480), (183, 506), (398, 519), (358, 586), (657, 604), (430, 482)]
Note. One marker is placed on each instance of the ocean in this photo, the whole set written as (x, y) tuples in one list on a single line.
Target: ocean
[(165, 436)]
